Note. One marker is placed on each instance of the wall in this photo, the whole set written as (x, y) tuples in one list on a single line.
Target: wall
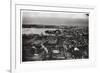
[(5, 36)]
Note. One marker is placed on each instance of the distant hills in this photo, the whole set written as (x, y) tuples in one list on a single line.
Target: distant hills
[(47, 26)]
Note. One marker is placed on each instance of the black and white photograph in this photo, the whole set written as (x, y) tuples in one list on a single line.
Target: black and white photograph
[(54, 35)]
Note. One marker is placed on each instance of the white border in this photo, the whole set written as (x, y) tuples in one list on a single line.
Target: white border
[(16, 66)]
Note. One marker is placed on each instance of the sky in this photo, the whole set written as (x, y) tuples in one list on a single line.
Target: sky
[(54, 18)]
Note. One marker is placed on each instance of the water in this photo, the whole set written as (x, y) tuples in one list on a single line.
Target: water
[(35, 30)]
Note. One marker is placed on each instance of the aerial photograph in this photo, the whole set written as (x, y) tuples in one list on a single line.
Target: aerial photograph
[(54, 35)]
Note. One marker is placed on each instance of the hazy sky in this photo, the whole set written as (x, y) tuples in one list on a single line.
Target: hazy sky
[(54, 18)]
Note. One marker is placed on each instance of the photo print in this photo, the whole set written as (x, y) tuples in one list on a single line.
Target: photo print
[(54, 35)]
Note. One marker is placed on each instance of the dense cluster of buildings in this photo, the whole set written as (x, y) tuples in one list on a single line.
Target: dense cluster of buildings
[(60, 44)]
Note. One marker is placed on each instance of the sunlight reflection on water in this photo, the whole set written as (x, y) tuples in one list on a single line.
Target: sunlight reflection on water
[(35, 30)]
